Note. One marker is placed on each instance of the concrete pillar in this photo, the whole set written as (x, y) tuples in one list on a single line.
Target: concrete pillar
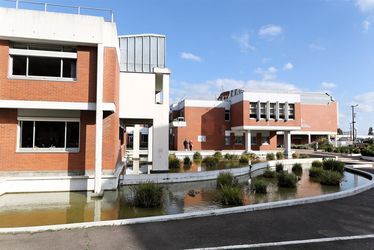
[(286, 111), (135, 166), (150, 144), (248, 141), (99, 119), (258, 110), (277, 111), (268, 111), (329, 138), (287, 145), (309, 138), (136, 142), (97, 210)]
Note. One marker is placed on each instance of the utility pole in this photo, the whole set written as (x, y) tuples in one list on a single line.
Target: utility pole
[(353, 122)]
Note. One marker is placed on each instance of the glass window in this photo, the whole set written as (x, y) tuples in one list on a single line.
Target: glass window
[(281, 110), (227, 140), (19, 65), (72, 136), (227, 115), (44, 66), (69, 68), (27, 131), (49, 134), (272, 110), (254, 140), (238, 140), (263, 110), (291, 111), (265, 138), (253, 110)]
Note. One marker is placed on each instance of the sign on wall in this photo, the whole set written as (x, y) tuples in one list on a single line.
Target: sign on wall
[(201, 138)]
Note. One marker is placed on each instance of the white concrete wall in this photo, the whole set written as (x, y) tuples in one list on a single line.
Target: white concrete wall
[(32, 25), (137, 101)]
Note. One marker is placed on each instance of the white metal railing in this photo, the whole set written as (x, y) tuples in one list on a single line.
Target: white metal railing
[(47, 7)]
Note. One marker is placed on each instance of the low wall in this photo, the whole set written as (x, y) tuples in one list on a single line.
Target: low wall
[(207, 175), (368, 158), (181, 154)]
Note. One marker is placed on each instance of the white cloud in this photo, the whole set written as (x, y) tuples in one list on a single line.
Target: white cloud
[(267, 74), (190, 56), (365, 102), (211, 89), (315, 46), (243, 41), (365, 5), (265, 60), (288, 66), (328, 85), (366, 25), (270, 30)]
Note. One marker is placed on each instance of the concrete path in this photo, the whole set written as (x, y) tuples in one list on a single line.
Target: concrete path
[(345, 217)]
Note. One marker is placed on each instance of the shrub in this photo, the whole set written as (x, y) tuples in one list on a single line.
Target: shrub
[(218, 156), (210, 162), (333, 165), (147, 194), (315, 172), (368, 150), (226, 179), (279, 168), (268, 173), (331, 178), (259, 186), (231, 195), (303, 156), (279, 155), (327, 147), (270, 156), (316, 164), (297, 169), (173, 161), (287, 180), (355, 150), (295, 156), (187, 161), (244, 159), (197, 156), (231, 157)]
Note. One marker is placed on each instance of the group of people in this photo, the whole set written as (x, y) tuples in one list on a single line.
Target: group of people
[(187, 144)]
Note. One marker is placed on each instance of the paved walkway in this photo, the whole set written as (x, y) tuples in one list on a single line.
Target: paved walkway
[(344, 217)]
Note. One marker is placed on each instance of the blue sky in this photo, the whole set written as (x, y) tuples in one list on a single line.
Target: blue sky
[(308, 45)]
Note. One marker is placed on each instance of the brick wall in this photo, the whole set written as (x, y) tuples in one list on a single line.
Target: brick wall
[(319, 117)]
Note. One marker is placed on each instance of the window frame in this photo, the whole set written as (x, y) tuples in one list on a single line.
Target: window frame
[(250, 110), (26, 52), (227, 140), (239, 143), (291, 110), (19, 149), (228, 112)]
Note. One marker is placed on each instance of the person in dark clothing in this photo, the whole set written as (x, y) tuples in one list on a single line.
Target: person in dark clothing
[(185, 144), (190, 145)]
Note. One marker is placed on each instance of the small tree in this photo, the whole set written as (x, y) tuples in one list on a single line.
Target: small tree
[(371, 131), (340, 131)]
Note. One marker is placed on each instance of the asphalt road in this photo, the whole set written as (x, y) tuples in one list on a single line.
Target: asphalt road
[(344, 217)]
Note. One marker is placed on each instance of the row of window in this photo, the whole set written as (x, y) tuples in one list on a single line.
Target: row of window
[(261, 112), (239, 140), (59, 135)]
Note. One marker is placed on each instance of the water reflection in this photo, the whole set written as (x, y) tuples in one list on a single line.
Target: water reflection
[(58, 208)]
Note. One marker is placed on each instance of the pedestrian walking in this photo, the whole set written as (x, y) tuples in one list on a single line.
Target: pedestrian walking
[(185, 144), (190, 145)]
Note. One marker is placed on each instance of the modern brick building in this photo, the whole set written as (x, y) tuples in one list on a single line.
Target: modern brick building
[(253, 121), (69, 88)]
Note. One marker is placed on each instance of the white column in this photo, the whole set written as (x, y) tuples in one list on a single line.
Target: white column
[(97, 210), (99, 119), (309, 138), (150, 143), (287, 145), (329, 138), (248, 141), (135, 166), (277, 111), (286, 111), (136, 142)]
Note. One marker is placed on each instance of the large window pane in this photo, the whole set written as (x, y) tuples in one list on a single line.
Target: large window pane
[(27, 134), (72, 136), (69, 68), (253, 110), (19, 65), (44, 66), (49, 134)]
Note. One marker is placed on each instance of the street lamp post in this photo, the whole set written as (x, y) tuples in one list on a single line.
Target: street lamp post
[(353, 122)]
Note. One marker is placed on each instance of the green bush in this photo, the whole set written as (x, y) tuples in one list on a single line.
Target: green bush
[(244, 159), (287, 180), (295, 156), (317, 164), (268, 173), (147, 194), (226, 179), (279, 168), (315, 172), (231, 195), (197, 156), (231, 157), (331, 178), (303, 156), (259, 186), (355, 150), (173, 161), (368, 150), (210, 162), (187, 161), (297, 169), (218, 156), (270, 156), (327, 147), (279, 155), (333, 165)]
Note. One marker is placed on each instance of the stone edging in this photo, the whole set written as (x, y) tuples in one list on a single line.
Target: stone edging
[(215, 212), (368, 158)]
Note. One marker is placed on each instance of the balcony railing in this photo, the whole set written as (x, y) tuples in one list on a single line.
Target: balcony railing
[(107, 14)]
